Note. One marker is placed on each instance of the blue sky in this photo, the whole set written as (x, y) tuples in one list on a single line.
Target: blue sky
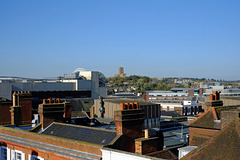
[(156, 38)]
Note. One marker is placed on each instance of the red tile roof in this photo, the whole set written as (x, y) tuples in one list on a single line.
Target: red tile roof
[(164, 154), (206, 120), (224, 145)]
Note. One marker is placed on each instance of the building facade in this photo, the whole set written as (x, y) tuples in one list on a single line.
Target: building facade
[(152, 111), (52, 139), (182, 102), (79, 81)]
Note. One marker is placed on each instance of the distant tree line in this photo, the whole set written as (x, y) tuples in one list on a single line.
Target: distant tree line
[(144, 83)]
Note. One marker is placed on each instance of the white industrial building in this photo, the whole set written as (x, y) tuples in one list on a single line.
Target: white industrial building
[(79, 80), (225, 91), (183, 102), (186, 105)]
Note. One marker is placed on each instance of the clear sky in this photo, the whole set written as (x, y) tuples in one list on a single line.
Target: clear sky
[(156, 38)]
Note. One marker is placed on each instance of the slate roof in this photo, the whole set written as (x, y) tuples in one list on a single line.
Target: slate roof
[(79, 114), (80, 133), (80, 104), (170, 113), (224, 145)]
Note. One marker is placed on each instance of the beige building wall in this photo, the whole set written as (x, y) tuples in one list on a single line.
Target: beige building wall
[(109, 108), (227, 101), (152, 111)]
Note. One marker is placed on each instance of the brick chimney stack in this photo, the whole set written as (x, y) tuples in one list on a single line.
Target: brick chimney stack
[(54, 112), (129, 122), (16, 111), (214, 100), (129, 119)]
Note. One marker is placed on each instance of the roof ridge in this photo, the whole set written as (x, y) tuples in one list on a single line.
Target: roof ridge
[(80, 126), (162, 151), (42, 130), (200, 116), (215, 113)]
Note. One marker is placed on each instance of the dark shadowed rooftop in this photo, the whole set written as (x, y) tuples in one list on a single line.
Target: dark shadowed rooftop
[(80, 133)]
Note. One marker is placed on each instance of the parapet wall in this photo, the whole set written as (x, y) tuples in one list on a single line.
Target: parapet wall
[(61, 142)]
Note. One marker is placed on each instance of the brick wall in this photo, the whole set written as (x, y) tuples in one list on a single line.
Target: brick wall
[(5, 116), (129, 123), (179, 110), (214, 104), (26, 103), (47, 155), (146, 145), (58, 112)]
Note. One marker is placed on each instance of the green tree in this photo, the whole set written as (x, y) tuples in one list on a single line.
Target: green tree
[(140, 83)]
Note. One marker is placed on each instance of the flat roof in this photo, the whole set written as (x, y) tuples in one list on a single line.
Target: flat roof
[(128, 100)]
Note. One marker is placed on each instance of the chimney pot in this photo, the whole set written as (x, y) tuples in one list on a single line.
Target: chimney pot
[(146, 133), (58, 100), (131, 106), (121, 106), (211, 97), (14, 99), (126, 106), (136, 103)]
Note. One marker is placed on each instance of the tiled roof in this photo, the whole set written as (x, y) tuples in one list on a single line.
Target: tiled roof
[(219, 109), (199, 139), (163, 154), (81, 133), (206, 120), (224, 145)]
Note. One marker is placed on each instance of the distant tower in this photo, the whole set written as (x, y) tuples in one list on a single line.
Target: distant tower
[(121, 70), (121, 73)]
